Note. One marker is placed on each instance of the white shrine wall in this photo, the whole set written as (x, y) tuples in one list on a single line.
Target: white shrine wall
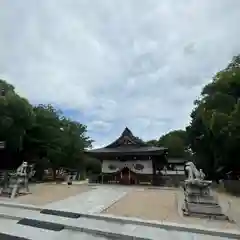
[(107, 166)]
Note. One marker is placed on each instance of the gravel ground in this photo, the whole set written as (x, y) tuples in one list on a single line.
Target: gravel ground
[(165, 205), (45, 193), (147, 204)]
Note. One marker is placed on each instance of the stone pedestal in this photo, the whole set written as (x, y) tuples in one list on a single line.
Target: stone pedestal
[(200, 201)]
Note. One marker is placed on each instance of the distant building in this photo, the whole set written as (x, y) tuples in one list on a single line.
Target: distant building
[(174, 166)]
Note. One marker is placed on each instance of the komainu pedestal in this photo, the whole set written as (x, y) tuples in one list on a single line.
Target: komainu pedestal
[(200, 201)]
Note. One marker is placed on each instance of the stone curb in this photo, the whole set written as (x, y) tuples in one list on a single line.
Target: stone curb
[(149, 187), (150, 223), (96, 232), (76, 183), (19, 205), (167, 225)]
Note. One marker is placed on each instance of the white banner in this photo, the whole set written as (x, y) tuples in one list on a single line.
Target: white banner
[(137, 166)]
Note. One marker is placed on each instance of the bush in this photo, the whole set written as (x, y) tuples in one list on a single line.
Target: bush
[(232, 186)]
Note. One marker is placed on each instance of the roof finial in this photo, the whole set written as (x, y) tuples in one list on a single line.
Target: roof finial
[(127, 131)]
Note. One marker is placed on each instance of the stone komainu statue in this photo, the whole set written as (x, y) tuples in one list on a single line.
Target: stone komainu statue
[(192, 172), (22, 169)]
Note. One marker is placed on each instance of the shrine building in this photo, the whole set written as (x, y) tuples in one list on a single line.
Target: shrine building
[(129, 160)]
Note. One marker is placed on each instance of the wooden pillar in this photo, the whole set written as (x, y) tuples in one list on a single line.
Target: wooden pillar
[(129, 176), (101, 170), (153, 170)]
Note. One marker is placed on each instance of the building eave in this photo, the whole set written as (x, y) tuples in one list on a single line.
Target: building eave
[(127, 151)]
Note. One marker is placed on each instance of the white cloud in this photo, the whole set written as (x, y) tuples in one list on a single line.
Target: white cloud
[(98, 125), (123, 63)]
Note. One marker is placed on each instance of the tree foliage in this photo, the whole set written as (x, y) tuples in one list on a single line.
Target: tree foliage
[(16, 117), (214, 130), (175, 141), (40, 133)]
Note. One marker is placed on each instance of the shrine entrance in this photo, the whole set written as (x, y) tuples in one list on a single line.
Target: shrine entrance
[(126, 176)]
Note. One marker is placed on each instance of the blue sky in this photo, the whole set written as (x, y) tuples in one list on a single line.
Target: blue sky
[(111, 64)]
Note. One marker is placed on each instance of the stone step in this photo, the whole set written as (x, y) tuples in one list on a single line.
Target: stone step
[(7, 190), (92, 226), (113, 228), (201, 199), (10, 228), (204, 210)]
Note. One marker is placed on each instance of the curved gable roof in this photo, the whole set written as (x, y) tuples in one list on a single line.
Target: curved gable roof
[(127, 139), (127, 143)]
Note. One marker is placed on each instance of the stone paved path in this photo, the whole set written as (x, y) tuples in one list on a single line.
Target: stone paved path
[(93, 201)]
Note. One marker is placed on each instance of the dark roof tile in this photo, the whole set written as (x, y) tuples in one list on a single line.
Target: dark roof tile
[(127, 143)]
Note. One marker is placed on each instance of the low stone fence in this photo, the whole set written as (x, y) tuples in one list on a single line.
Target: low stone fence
[(232, 186)]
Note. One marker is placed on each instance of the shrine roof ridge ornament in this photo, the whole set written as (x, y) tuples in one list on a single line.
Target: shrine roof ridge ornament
[(127, 139)]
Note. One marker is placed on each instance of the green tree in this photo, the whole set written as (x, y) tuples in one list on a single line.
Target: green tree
[(74, 140), (16, 117), (153, 143), (56, 138), (175, 141), (93, 166), (40, 133), (213, 132)]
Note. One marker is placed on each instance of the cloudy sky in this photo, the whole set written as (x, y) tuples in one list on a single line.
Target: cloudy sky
[(116, 63)]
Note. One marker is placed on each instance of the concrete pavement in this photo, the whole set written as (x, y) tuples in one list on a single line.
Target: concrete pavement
[(93, 201)]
